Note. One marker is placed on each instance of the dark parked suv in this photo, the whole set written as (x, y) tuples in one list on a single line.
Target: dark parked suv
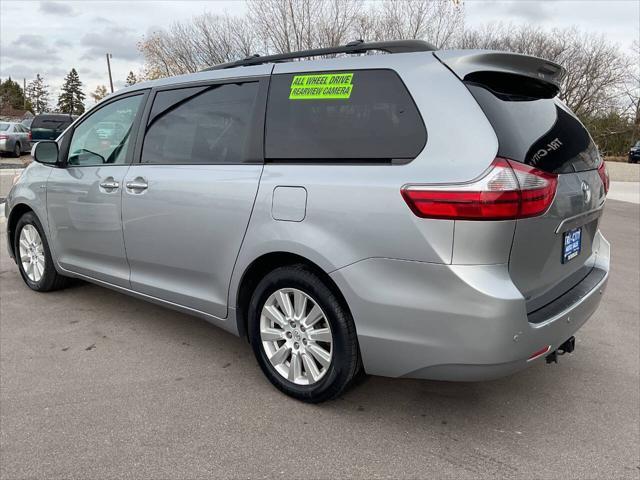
[(49, 126)]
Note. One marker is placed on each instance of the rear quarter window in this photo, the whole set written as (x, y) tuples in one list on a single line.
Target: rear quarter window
[(540, 132), (370, 116)]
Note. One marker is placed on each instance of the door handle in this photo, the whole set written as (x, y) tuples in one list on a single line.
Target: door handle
[(109, 184), (137, 185)]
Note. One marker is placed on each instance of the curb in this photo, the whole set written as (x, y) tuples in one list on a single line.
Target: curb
[(624, 192)]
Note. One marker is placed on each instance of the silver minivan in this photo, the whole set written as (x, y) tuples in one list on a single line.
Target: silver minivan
[(420, 213)]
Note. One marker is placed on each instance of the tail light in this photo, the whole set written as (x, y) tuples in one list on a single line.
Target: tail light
[(30, 135), (3, 137), (508, 190), (604, 176)]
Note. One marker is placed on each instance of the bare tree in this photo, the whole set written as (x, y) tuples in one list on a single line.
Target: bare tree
[(289, 25), (285, 25), (188, 47), (366, 25), (596, 70), (217, 39), (437, 21), (631, 91), (167, 52), (337, 22)]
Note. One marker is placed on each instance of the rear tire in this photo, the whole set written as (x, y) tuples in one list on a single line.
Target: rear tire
[(307, 347), (17, 150), (33, 256)]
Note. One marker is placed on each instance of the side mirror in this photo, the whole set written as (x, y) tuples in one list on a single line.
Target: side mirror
[(45, 151)]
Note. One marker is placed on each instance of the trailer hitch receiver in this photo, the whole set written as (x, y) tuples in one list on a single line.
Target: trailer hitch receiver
[(567, 347)]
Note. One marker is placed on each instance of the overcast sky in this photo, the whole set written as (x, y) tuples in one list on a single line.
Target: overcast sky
[(51, 37)]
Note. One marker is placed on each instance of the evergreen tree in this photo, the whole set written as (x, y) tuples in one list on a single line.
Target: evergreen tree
[(99, 93), (71, 99), (38, 94), (11, 94), (131, 79)]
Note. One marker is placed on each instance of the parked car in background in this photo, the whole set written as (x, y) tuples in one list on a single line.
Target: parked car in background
[(424, 214), (48, 126), (14, 138), (634, 153), (27, 122)]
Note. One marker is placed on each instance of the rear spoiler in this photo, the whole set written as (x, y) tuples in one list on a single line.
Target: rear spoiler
[(470, 65)]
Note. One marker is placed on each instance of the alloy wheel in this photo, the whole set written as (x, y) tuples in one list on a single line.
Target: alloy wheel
[(296, 336), (31, 253)]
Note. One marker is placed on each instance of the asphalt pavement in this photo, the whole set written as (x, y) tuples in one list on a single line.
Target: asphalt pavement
[(95, 384)]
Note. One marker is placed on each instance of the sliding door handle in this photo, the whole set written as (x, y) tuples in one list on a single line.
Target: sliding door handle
[(137, 185), (109, 184)]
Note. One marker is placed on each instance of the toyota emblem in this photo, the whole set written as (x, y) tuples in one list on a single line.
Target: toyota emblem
[(586, 192)]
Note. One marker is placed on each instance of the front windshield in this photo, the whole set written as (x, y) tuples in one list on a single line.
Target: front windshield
[(637, 144), (4, 127)]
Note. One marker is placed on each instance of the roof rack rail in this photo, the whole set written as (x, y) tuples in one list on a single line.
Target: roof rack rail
[(357, 46)]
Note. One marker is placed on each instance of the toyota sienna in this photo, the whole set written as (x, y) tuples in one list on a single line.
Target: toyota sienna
[(421, 213)]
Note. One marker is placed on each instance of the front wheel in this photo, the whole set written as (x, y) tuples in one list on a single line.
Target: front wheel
[(34, 257), (302, 335), (17, 151)]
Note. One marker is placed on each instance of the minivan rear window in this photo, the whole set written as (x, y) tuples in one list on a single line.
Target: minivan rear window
[(540, 132), (367, 115)]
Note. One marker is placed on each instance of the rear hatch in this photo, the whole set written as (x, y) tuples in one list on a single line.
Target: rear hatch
[(49, 127), (551, 253)]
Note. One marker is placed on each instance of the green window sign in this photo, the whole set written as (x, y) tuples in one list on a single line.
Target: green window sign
[(321, 86)]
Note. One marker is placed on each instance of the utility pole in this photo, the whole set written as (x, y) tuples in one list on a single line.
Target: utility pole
[(109, 68), (24, 93)]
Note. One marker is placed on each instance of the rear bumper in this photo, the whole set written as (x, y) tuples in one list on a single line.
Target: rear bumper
[(454, 322)]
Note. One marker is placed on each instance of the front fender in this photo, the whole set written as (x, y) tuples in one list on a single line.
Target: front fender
[(29, 193)]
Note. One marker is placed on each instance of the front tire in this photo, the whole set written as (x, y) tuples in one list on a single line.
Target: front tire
[(302, 335), (17, 150), (34, 256)]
